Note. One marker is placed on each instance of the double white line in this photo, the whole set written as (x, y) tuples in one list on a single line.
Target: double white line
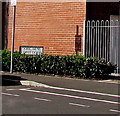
[(70, 96), (82, 91)]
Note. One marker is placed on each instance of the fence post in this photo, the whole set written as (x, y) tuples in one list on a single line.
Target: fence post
[(84, 38), (13, 36)]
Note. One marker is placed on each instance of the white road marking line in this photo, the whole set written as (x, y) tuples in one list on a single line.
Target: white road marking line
[(17, 89), (114, 110), (79, 91), (71, 96), (41, 99), (78, 105), (82, 91), (10, 94)]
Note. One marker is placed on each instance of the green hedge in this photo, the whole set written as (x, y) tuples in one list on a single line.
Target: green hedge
[(73, 65)]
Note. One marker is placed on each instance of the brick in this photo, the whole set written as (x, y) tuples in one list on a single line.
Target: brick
[(48, 24)]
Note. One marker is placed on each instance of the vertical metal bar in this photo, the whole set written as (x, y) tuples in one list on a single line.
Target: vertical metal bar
[(84, 36), (89, 26), (111, 42), (93, 37), (13, 35), (114, 40), (108, 41), (98, 39), (91, 40), (105, 40), (96, 47), (87, 37)]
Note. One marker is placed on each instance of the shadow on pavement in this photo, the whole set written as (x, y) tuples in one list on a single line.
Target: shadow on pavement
[(11, 80)]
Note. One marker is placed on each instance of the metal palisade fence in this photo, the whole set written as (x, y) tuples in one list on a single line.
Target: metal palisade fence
[(102, 40)]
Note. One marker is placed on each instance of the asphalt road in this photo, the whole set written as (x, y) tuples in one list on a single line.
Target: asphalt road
[(58, 100)]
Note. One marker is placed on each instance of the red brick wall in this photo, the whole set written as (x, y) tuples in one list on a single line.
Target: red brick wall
[(51, 25)]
